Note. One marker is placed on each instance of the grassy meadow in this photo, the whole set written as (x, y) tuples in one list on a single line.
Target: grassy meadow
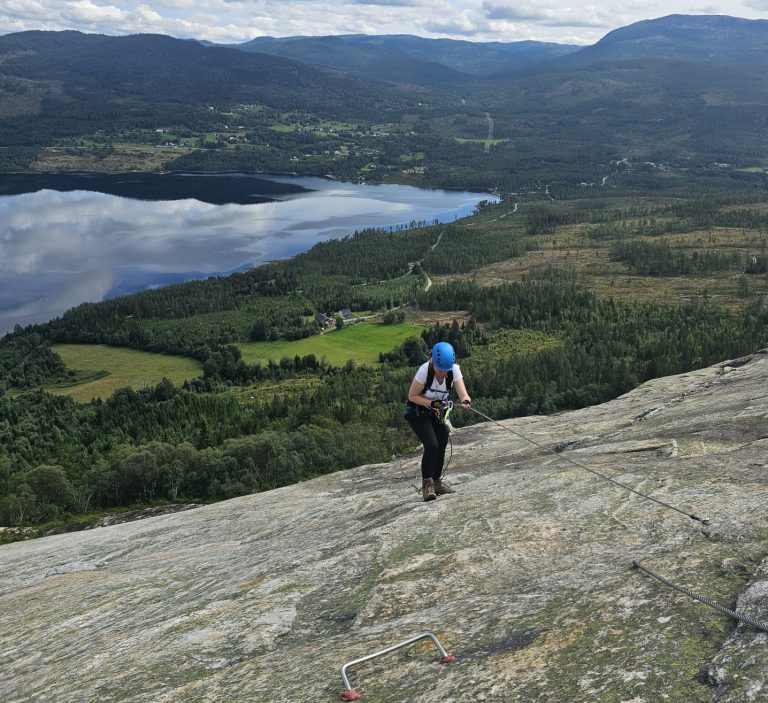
[(102, 370), (105, 369), (361, 342)]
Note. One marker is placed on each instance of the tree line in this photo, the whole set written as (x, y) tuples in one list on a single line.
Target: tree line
[(660, 259)]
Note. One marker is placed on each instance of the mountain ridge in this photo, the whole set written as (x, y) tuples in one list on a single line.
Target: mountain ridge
[(399, 58), (681, 37), (675, 37), (664, 88)]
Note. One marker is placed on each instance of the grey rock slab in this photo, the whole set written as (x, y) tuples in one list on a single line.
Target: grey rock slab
[(524, 573)]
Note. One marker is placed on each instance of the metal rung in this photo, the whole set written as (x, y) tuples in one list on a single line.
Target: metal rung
[(350, 694)]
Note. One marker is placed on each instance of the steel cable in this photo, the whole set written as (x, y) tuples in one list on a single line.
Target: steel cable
[(759, 624), (693, 516)]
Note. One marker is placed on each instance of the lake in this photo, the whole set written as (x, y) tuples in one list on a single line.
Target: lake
[(66, 239)]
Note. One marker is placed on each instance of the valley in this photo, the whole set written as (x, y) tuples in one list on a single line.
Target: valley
[(625, 240)]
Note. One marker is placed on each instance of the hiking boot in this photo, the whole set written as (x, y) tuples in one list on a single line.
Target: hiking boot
[(443, 488), (428, 489)]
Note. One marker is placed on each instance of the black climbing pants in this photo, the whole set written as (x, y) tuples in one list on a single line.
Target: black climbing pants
[(434, 436)]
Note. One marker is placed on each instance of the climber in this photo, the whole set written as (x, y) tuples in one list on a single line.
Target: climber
[(428, 398)]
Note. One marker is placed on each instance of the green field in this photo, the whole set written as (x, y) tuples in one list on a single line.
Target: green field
[(110, 368), (361, 342)]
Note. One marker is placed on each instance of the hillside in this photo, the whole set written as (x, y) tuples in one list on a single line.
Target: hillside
[(680, 89), (140, 80), (524, 574), (374, 62), (156, 67)]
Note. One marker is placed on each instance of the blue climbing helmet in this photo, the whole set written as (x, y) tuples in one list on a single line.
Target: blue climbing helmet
[(443, 356)]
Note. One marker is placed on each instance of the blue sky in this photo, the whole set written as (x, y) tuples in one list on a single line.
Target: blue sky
[(240, 20)]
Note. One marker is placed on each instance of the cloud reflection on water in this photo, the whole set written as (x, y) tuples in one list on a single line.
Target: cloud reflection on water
[(59, 249)]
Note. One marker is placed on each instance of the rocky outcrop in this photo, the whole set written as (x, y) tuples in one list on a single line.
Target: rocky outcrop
[(129, 516), (524, 573)]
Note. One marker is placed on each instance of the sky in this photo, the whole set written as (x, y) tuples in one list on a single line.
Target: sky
[(232, 21)]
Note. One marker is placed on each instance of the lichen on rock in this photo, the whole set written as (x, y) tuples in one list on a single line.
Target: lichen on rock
[(524, 573)]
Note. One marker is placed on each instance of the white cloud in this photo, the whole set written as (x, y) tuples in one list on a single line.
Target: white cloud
[(23, 8), (389, 3), (461, 26), (548, 14), (87, 11), (148, 15), (505, 11)]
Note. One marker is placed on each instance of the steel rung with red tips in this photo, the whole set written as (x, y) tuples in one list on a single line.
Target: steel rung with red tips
[(350, 694)]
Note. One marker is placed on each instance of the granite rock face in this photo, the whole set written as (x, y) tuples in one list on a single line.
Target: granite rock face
[(524, 573)]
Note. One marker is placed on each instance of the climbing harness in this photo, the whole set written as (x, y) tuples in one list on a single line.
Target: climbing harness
[(446, 394), (759, 624), (443, 408), (693, 516), (350, 694)]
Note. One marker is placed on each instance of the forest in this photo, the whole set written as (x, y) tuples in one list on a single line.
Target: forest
[(61, 461), (199, 442)]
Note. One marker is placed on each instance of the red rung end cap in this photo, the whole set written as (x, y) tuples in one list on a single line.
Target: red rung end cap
[(350, 695), (448, 659)]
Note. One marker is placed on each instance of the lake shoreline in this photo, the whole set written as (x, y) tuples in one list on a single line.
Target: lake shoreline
[(90, 240), (240, 188), (267, 174)]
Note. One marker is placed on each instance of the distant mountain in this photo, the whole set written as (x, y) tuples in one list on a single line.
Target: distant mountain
[(356, 57), (478, 58), (684, 38), (681, 64), (406, 59), (155, 68)]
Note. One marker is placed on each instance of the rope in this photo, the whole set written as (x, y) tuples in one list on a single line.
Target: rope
[(450, 456), (693, 516), (759, 624)]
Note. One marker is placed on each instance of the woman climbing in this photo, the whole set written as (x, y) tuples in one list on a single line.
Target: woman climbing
[(427, 398)]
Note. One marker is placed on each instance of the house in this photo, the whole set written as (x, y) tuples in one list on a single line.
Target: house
[(346, 314), (322, 319)]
